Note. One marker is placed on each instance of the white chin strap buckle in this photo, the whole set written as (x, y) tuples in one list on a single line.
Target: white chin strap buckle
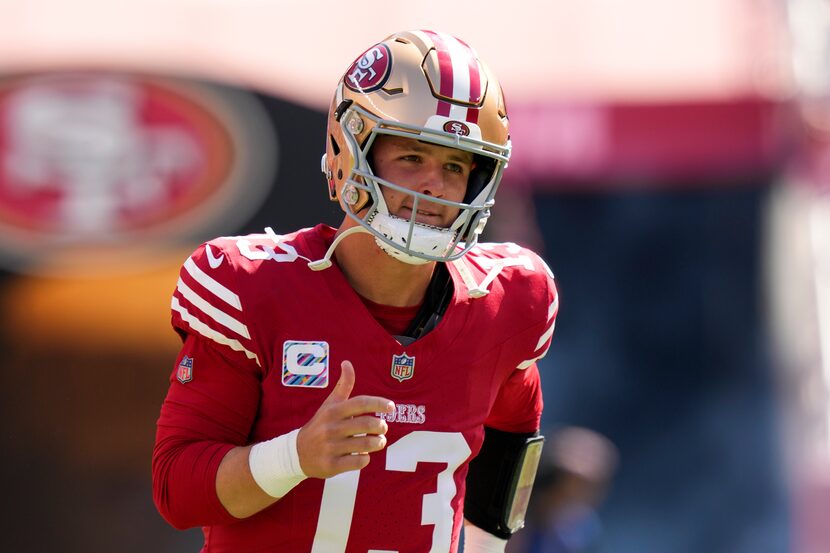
[(425, 240)]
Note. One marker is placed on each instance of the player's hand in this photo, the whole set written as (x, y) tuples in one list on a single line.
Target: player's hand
[(343, 431)]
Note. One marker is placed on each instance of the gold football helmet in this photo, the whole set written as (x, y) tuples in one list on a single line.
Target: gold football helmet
[(432, 87)]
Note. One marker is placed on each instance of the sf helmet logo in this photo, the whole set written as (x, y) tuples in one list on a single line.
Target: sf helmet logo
[(457, 127), (371, 70)]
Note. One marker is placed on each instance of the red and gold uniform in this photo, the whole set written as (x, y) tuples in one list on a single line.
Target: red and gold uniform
[(264, 337)]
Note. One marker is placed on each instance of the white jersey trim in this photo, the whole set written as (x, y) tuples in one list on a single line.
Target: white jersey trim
[(554, 307), (214, 313), (210, 333), (545, 337), (212, 284)]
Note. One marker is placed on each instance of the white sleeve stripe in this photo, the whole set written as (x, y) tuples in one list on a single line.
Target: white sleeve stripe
[(212, 284), (210, 333), (216, 314), (549, 332), (525, 364), (546, 336), (553, 307), (547, 269)]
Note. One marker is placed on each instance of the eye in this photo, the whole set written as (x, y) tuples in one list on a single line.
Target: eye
[(454, 167)]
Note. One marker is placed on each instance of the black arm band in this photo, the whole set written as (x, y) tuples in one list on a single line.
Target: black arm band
[(500, 479)]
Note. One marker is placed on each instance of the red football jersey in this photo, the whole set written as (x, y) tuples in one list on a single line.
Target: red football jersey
[(264, 339)]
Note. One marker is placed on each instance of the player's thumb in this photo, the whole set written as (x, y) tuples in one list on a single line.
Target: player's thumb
[(343, 389)]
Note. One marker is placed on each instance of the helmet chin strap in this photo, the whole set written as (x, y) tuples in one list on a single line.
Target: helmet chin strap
[(325, 261), (432, 239)]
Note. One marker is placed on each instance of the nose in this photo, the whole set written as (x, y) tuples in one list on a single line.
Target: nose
[(431, 181)]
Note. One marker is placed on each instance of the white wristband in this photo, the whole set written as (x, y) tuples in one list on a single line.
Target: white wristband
[(477, 540), (275, 464)]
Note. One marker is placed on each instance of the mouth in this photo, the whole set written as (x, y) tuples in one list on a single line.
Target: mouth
[(421, 216)]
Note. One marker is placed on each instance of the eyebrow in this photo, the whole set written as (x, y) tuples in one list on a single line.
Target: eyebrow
[(421, 146)]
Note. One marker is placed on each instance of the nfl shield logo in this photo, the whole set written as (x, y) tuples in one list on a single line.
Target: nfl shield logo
[(184, 373), (403, 367)]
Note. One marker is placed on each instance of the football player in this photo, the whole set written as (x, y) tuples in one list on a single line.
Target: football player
[(371, 388)]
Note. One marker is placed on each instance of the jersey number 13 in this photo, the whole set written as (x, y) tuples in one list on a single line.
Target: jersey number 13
[(340, 492)]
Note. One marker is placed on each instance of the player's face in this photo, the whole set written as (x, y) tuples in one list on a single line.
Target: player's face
[(432, 170)]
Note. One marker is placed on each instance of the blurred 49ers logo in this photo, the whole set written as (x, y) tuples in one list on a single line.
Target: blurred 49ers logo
[(99, 159)]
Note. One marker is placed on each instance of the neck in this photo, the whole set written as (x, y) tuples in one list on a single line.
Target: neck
[(377, 276)]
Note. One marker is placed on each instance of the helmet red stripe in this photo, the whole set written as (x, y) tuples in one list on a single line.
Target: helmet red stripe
[(443, 108), (475, 76), (475, 91), (475, 87), (445, 66)]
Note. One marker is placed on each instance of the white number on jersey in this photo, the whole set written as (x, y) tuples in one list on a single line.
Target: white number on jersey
[(493, 267), (340, 492)]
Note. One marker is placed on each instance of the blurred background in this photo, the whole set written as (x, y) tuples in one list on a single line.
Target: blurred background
[(671, 162)]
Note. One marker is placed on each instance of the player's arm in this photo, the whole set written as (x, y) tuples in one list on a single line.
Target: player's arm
[(499, 481), (338, 438), (500, 478), (210, 414), (498, 491), (204, 472), (202, 418)]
